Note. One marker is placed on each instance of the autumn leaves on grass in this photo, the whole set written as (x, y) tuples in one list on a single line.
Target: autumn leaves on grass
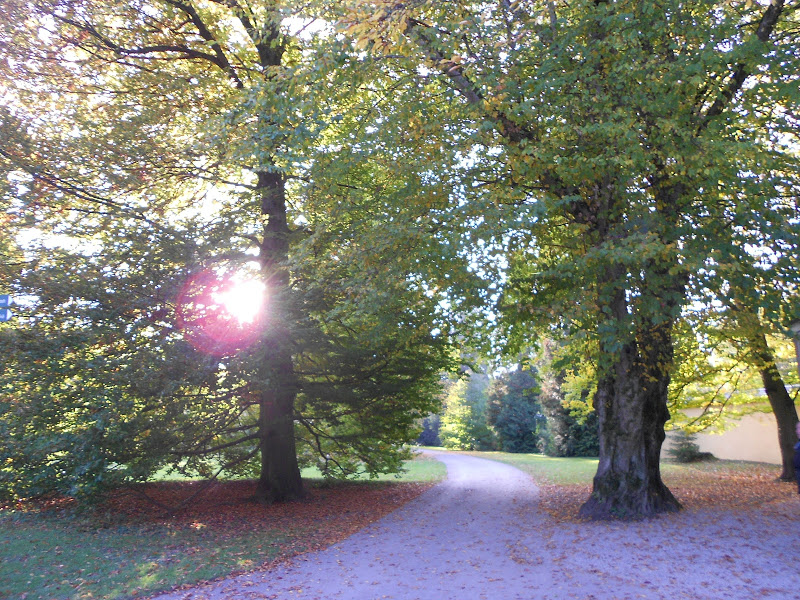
[(717, 485)]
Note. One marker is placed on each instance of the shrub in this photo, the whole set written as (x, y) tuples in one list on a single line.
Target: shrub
[(685, 450)]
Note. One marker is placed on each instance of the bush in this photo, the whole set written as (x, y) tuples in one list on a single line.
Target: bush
[(430, 431), (684, 449), (514, 410)]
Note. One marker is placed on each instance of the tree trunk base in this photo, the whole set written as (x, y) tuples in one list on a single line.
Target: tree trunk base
[(629, 507), (265, 494)]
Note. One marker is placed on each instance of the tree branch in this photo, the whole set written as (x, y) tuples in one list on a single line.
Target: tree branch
[(743, 71), (221, 59), (218, 58), (73, 190), (463, 85)]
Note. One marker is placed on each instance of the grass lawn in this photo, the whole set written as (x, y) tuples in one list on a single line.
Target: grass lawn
[(420, 470), (127, 547), (548, 469), (61, 556)]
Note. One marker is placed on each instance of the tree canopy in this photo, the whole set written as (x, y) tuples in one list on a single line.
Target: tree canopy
[(154, 152), (614, 146), (400, 176)]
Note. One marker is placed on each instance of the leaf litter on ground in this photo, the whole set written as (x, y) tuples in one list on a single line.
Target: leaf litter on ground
[(718, 485), (220, 533), (224, 529)]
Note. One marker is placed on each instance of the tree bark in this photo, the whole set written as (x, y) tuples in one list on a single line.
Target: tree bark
[(631, 405), (280, 479), (781, 402)]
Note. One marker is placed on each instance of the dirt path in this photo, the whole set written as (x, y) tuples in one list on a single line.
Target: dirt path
[(478, 535)]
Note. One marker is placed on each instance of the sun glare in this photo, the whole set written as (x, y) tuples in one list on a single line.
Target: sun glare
[(221, 314), (243, 300)]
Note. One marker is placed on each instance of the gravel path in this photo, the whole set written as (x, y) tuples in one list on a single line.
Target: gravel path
[(479, 535)]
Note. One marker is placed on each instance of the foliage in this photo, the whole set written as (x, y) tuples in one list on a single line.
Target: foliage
[(369, 375), (734, 361), (515, 412), (375, 350), (717, 373), (101, 388), (463, 423), (568, 436), (92, 357)]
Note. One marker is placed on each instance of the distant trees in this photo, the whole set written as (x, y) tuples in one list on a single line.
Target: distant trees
[(571, 424), (463, 424), (516, 410)]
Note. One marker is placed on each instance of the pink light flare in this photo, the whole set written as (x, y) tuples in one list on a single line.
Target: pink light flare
[(220, 315)]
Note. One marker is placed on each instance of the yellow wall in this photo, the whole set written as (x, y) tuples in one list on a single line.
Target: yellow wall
[(753, 437)]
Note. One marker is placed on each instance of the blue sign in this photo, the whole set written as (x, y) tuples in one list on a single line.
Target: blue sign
[(5, 314), (5, 300)]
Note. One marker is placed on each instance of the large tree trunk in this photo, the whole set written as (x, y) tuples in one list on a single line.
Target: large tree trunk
[(279, 480), (280, 474), (782, 406), (632, 392), (631, 405)]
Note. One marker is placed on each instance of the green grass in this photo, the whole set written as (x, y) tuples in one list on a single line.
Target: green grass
[(581, 471), (421, 469), (548, 469), (55, 557), (70, 555)]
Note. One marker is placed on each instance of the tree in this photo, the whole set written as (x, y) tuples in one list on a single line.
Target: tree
[(175, 54), (132, 345), (463, 424), (514, 410), (455, 430), (570, 423), (599, 136), (753, 293), (756, 302)]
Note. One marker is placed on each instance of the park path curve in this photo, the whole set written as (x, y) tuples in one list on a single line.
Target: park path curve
[(478, 535)]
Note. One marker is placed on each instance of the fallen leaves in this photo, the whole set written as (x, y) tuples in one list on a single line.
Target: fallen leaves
[(718, 486), (221, 532)]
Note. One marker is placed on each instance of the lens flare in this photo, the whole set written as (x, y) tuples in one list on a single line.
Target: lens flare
[(221, 315), (243, 299)]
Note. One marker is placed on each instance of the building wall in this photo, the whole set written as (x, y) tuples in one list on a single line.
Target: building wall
[(753, 437)]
